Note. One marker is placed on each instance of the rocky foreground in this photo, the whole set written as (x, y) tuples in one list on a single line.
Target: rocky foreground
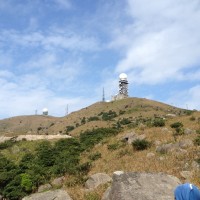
[(124, 186)]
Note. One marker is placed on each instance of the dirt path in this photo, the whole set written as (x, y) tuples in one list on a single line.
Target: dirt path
[(33, 137)]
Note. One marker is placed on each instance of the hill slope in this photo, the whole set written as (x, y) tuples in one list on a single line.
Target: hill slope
[(86, 118), (169, 142)]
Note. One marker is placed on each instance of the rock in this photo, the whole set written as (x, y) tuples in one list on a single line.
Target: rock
[(57, 182), (170, 115), (165, 148), (141, 186), (49, 195), (130, 137), (157, 142), (45, 187), (189, 131), (186, 174), (96, 180), (195, 165), (150, 155), (183, 144)]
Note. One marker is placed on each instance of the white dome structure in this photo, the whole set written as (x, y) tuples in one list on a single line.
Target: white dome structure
[(123, 76), (45, 111)]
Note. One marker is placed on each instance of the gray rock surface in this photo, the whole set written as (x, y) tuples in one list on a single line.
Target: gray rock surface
[(185, 143), (166, 148), (96, 180), (141, 186), (189, 131), (45, 187), (49, 195), (57, 182)]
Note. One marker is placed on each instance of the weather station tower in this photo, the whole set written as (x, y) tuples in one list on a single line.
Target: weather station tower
[(123, 88), (123, 85)]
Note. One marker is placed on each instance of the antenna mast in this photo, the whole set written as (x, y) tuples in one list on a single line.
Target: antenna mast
[(103, 97), (66, 110)]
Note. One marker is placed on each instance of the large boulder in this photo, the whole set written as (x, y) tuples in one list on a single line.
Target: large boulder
[(56, 194), (141, 186), (96, 180)]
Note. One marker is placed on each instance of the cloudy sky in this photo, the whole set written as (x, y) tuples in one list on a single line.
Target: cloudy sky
[(55, 53)]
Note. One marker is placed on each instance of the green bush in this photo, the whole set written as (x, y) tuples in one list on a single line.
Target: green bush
[(89, 138), (69, 128), (7, 144), (176, 125), (94, 118), (95, 156), (141, 144), (197, 141), (158, 122), (125, 121), (109, 115)]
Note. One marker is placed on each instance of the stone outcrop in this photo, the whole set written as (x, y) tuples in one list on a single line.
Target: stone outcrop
[(141, 186), (49, 195), (96, 180), (44, 187), (170, 147), (58, 182)]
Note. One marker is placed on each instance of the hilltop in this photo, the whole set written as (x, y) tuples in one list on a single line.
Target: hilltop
[(86, 118), (131, 135)]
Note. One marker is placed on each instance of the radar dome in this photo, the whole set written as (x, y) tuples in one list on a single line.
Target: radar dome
[(45, 111), (123, 76)]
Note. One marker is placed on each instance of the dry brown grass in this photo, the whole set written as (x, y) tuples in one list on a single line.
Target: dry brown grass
[(123, 158)]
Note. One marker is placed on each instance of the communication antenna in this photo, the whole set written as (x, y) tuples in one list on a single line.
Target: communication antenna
[(66, 110), (103, 97), (36, 112)]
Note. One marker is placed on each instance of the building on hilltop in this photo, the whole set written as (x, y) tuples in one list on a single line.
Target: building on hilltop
[(123, 88)]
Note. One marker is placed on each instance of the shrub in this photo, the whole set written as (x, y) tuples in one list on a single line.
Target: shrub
[(141, 144), (121, 112), (197, 141), (113, 146), (192, 118), (69, 128), (89, 138), (158, 122), (95, 156), (125, 121), (7, 144), (83, 120), (109, 115), (95, 118), (176, 125)]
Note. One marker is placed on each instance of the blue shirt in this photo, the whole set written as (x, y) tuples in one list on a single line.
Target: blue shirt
[(187, 191)]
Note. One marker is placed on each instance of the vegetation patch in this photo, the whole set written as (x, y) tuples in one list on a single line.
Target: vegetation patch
[(141, 144)]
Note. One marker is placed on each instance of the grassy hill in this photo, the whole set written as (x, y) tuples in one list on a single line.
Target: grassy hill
[(99, 131), (86, 118)]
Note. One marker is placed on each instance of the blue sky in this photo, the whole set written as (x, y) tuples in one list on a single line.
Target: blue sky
[(55, 53)]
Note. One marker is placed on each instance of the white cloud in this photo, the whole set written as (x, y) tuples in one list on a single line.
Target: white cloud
[(161, 41), (188, 98)]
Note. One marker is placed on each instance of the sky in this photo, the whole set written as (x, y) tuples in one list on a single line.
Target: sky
[(59, 53)]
